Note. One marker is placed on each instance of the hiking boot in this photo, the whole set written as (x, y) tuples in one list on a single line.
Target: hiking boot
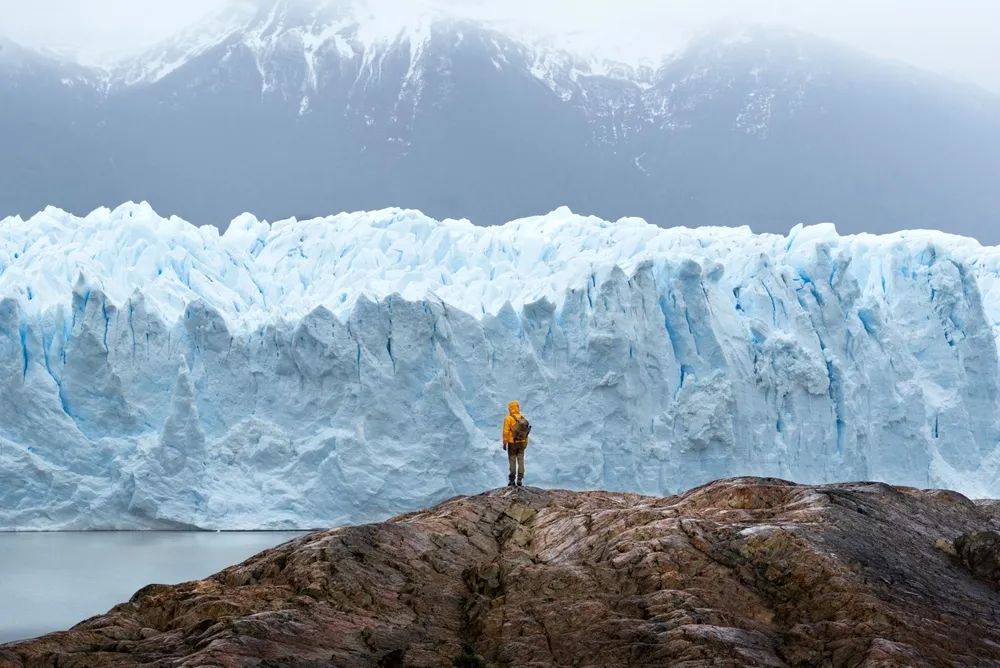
[(510, 482), (519, 483)]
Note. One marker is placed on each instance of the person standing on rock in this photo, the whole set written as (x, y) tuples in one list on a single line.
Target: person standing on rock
[(515, 442)]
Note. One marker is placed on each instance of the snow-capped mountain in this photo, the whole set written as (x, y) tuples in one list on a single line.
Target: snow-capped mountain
[(295, 43), (305, 107), (309, 373)]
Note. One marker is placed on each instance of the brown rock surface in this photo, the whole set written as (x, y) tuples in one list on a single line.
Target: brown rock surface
[(980, 552), (741, 572)]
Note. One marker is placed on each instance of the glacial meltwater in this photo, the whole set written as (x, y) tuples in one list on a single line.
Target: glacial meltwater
[(49, 581)]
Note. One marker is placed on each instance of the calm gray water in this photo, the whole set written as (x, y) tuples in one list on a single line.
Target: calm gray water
[(50, 581)]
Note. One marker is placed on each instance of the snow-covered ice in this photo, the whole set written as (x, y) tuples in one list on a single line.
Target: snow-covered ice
[(342, 369)]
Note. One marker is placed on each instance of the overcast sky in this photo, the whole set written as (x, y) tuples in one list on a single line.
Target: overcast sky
[(958, 38)]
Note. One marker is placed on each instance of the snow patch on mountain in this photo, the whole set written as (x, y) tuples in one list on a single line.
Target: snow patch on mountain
[(169, 56), (351, 31), (363, 35)]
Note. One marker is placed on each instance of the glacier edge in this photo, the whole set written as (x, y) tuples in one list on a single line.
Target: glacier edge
[(309, 373)]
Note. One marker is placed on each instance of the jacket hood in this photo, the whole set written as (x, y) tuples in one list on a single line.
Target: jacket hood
[(514, 408)]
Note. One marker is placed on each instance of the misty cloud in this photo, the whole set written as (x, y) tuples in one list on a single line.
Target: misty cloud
[(956, 39)]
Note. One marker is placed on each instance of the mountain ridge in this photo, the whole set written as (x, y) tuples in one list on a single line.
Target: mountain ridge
[(309, 113)]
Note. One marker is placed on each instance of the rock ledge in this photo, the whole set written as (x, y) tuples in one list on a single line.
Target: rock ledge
[(740, 572)]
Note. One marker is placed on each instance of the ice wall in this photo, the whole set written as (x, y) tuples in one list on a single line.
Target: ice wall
[(309, 373)]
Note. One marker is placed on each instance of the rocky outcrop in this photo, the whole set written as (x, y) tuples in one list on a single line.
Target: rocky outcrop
[(740, 572), (980, 552)]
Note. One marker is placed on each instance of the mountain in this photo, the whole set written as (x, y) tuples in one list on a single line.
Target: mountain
[(742, 572), (306, 108), (47, 123), (307, 373)]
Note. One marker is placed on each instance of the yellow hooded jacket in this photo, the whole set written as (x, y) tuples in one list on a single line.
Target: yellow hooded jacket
[(514, 412)]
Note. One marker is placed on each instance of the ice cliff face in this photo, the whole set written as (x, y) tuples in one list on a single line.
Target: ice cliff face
[(309, 373)]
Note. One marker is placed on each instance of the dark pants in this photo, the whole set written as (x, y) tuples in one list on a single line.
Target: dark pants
[(515, 458)]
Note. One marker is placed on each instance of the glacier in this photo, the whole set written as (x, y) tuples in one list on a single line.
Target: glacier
[(311, 373)]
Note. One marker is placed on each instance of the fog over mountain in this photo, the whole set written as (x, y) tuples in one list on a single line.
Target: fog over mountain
[(302, 109)]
